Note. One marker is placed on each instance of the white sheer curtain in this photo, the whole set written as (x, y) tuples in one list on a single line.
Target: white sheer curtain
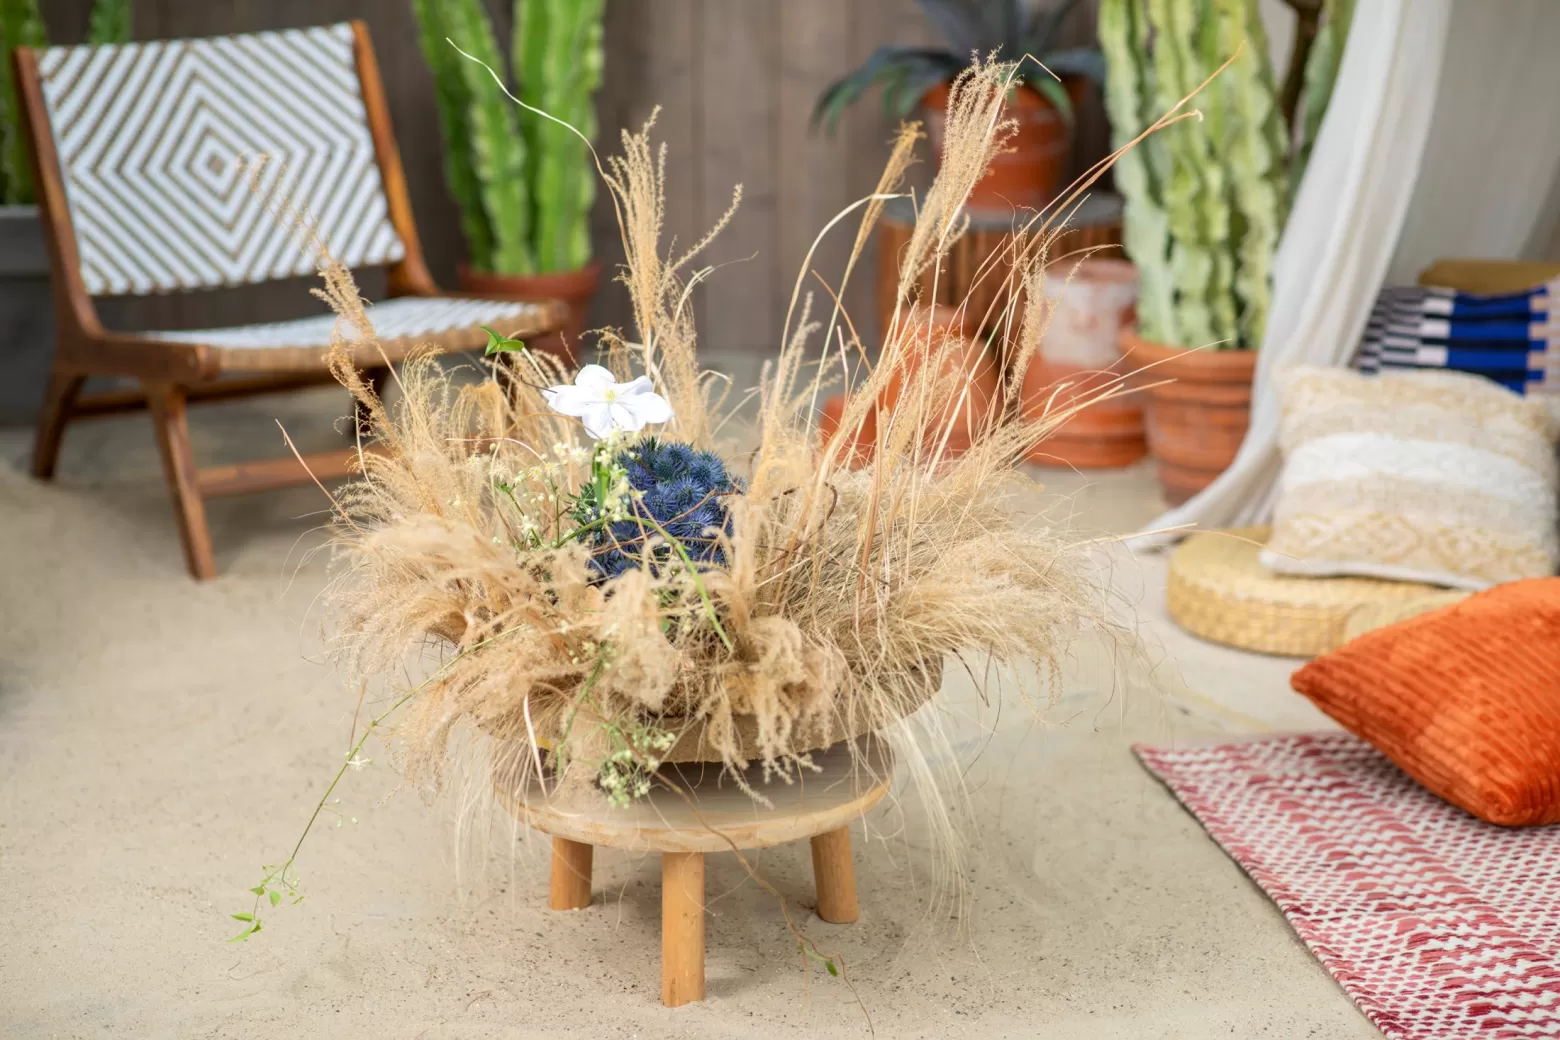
[(1343, 232), (1487, 184)]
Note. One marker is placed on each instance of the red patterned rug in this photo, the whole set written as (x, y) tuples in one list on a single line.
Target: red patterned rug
[(1439, 927)]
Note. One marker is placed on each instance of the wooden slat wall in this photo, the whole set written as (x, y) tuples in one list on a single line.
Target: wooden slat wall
[(735, 80)]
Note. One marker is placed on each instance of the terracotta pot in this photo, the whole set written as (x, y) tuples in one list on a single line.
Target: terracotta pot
[(1195, 423), (858, 452), (926, 335), (1108, 435), (1030, 171), (575, 288), (1080, 357)]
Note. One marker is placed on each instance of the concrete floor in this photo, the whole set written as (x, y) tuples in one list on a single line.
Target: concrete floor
[(161, 740)]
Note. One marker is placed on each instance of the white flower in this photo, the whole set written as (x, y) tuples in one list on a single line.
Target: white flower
[(604, 405)]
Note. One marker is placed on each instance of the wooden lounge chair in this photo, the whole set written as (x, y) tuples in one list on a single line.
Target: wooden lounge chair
[(143, 161)]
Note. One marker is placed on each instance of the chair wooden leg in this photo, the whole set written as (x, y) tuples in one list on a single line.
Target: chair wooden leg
[(682, 927), (173, 440), (58, 401), (569, 886), (834, 876)]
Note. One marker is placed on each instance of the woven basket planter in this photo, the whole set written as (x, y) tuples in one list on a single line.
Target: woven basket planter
[(810, 734), (694, 742)]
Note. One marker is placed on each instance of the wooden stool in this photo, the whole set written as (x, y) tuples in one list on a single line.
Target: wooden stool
[(819, 806)]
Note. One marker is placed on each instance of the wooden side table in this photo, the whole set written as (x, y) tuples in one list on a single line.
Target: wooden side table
[(1096, 221), (818, 806)]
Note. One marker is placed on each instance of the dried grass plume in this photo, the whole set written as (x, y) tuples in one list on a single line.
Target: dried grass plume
[(842, 593)]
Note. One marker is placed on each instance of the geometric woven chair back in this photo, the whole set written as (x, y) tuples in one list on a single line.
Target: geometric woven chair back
[(157, 144)]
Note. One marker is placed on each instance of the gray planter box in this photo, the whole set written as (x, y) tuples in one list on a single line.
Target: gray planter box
[(26, 315)]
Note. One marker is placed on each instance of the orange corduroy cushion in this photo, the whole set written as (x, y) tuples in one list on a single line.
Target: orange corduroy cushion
[(1465, 699)]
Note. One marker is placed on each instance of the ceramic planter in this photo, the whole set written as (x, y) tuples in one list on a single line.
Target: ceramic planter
[(962, 418), (575, 288), (1032, 167), (1197, 420), (926, 330), (1080, 356), (857, 451)]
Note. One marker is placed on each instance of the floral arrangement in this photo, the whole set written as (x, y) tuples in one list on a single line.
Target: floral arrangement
[(587, 580)]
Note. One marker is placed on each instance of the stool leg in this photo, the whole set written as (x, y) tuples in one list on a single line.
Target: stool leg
[(682, 927), (835, 877), (569, 887)]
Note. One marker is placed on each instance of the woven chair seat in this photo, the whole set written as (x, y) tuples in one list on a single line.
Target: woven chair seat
[(1219, 591), (401, 325)]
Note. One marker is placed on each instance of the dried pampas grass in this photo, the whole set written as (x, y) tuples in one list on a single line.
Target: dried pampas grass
[(840, 594)]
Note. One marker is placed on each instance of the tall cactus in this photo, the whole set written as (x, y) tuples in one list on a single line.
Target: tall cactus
[(453, 98), (524, 184), (1254, 149), (1201, 267), (1140, 171), (497, 146), (558, 64), (22, 26), (110, 22), (1321, 70), (1204, 211)]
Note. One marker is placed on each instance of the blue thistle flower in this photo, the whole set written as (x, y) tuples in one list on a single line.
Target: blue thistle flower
[(683, 491)]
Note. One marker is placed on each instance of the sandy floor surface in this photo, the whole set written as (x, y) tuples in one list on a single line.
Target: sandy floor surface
[(161, 740)]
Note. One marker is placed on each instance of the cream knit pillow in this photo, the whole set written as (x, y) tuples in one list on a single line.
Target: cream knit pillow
[(1438, 477)]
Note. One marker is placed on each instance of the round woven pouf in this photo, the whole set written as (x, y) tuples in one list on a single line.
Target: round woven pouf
[(1219, 591)]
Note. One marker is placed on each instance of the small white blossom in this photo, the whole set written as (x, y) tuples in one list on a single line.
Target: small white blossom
[(606, 406)]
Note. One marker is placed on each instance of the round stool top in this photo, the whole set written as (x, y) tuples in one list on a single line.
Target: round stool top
[(722, 815), (1219, 590)]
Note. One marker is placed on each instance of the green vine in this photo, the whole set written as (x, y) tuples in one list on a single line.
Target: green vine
[(282, 881)]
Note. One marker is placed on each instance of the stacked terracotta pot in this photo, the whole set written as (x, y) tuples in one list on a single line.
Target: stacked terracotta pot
[(1189, 408), (1197, 404), (928, 333), (1079, 358)]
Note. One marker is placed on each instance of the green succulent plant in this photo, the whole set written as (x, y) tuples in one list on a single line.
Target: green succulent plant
[(1207, 199), (1007, 28), (524, 184), (22, 26)]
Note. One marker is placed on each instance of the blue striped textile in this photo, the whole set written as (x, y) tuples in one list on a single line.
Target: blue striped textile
[(1513, 340)]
